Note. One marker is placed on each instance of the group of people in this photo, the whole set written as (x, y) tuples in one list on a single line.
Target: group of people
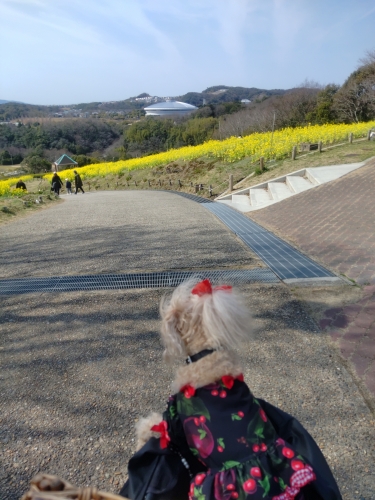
[(57, 184)]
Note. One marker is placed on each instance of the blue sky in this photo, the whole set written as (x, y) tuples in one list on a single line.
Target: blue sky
[(71, 51)]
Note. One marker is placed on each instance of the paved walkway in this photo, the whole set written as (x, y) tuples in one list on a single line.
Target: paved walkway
[(79, 368), (335, 224), (119, 232)]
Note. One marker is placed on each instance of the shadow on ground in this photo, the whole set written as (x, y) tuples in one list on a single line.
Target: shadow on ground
[(79, 369)]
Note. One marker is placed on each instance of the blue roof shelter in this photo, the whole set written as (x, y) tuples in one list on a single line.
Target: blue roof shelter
[(64, 161)]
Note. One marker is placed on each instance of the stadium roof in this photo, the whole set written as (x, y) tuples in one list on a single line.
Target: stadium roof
[(171, 106)]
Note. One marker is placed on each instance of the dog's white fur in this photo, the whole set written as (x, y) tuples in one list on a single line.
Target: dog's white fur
[(191, 323)]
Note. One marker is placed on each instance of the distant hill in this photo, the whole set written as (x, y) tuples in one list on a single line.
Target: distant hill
[(2, 101), (13, 110), (222, 93)]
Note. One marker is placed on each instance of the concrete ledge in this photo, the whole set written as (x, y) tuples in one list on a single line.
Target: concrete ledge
[(316, 281)]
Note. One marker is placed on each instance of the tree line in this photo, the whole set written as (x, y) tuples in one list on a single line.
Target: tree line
[(87, 140), (41, 143)]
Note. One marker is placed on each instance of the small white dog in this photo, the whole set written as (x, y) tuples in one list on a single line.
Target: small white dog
[(235, 439)]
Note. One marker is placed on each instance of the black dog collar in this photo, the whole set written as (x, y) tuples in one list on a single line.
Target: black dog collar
[(199, 355)]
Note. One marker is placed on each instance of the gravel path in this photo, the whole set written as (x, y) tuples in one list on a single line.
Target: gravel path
[(119, 231), (79, 369)]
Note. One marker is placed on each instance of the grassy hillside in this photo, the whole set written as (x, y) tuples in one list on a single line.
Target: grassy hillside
[(185, 176)]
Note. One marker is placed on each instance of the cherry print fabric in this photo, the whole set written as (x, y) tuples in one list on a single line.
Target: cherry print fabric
[(228, 431)]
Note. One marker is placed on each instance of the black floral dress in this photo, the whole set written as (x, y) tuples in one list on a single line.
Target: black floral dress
[(227, 430)]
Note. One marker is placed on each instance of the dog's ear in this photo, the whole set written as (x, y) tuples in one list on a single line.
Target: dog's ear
[(170, 334)]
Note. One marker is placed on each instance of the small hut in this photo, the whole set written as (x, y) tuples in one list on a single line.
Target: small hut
[(63, 161)]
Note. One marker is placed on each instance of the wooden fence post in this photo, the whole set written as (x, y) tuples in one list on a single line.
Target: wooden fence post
[(196, 188), (320, 145), (261, 163), (351, 138), (179, 183), (135, 182), (210, 190), (294, 152), (170, 182), (231, 182)]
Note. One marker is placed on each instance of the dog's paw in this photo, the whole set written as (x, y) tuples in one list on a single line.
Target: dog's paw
[(143, 428)]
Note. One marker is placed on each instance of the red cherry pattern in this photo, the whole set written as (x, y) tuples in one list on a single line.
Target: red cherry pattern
[(199, 478), (202, 419), (256, 448), (231, 487), (263, 415), (220, 449), (297, 465), (249, 486), (287, 452), (255, 472), (240, 414), (234, 494), (223, 394), (214, 392), (263, 447)]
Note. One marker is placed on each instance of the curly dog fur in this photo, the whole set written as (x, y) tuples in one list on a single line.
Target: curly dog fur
[(190, 323)]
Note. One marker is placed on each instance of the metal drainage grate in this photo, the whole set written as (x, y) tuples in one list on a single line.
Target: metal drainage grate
[(127, 281), (192, 197), (284, 260)]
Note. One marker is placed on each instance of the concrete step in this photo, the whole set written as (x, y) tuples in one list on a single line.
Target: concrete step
[(260, 197), (279, 190), (321, 175), (273, 191), (297, 183), (241, 199)]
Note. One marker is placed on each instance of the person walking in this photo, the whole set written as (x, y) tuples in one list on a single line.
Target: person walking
[(68, 186), (56, 183), (21, 185), (78, 182)]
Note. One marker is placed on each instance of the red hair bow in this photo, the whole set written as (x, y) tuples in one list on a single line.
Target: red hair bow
[(164, 436), (205, 286), (188, 391), (228, 380)]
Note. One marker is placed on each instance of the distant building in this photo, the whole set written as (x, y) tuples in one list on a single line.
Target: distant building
[(245, 101), (169, 108), (63, 161)]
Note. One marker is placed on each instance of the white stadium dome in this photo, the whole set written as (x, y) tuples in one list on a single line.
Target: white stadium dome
[(168, 108)]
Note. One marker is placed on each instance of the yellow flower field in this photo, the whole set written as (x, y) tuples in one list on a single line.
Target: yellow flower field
[(6, 186), (230, 150)]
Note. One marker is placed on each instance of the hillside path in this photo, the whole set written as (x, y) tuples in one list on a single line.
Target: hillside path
[(118, 232), (80, 368)]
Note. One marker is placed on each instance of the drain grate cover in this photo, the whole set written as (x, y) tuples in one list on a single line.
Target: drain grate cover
[(127, 281), (284, 260)]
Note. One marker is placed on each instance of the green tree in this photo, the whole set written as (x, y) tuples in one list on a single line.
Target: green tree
[(35, 164), (324, 111), (355, 101), (7, 159)]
